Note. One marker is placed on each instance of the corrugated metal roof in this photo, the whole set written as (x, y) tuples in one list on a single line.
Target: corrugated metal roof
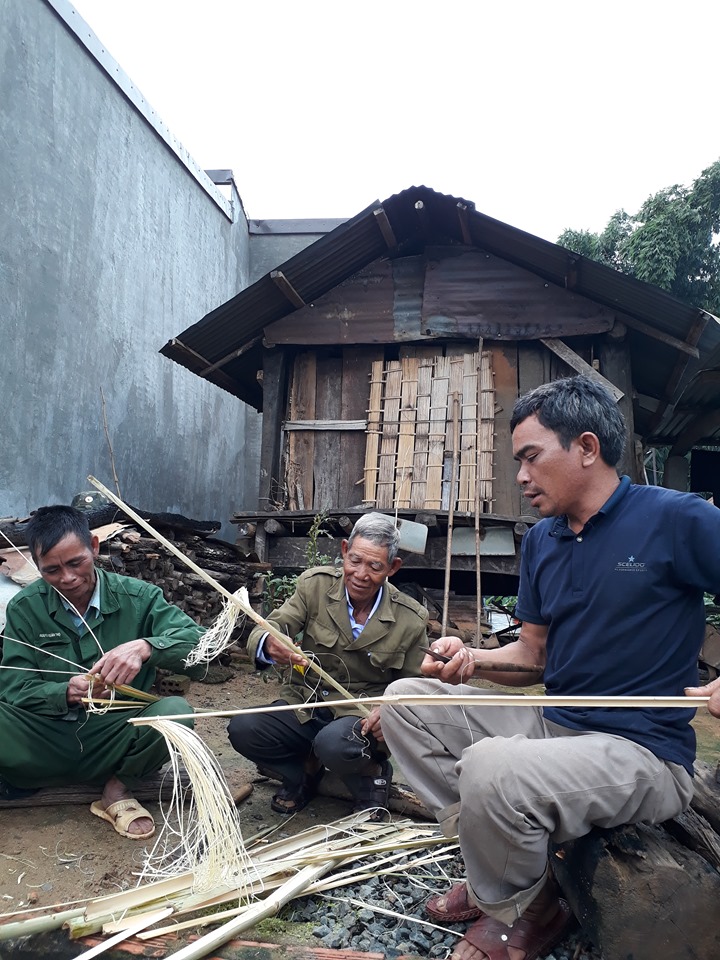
[(229, 335)]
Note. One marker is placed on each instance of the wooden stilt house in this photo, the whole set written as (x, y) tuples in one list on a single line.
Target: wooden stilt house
[(386, 358)]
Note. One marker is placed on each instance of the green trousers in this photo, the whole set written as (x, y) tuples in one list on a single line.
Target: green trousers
[(40, 751)]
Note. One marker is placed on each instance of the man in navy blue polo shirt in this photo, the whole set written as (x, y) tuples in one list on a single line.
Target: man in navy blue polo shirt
[(611, 603)]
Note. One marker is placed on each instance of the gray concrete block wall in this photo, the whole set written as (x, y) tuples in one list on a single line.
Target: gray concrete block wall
[(108, 248)]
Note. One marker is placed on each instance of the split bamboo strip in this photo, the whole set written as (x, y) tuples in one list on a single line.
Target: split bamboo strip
[(372, 446), (486, 430), (478, 500), (459, 700), (247, 609), (390, 433), (468, 433), (406, 439), (422, 430), (436, 444), (268, 908), (139, 925), (451, 513)]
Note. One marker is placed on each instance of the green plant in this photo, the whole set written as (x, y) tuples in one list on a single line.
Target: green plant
[(279, 588)]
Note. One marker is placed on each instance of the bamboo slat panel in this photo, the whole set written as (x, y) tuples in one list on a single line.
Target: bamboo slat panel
[(408, 462)]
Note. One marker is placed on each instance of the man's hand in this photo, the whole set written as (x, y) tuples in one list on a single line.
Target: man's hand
[(279, 653), (77, 689), (711, 690), (371, 725), (122, 664), (460, 667)]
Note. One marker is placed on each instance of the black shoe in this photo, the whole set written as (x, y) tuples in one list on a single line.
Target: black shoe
[(374, 794)]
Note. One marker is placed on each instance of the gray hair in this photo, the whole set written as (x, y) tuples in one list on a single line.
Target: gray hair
[(572, 406), (378, 529)]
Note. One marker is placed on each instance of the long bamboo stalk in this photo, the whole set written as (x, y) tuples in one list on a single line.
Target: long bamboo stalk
[(458, 700), (246, 608), (25, 928)]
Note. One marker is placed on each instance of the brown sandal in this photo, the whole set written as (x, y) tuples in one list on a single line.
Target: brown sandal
[(458, 907), (494, 938)]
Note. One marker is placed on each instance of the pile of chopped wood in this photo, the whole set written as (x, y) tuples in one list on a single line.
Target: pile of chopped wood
[(136, 554)]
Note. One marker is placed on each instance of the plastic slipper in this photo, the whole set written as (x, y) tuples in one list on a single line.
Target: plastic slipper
[(458, 907), (121, 814)]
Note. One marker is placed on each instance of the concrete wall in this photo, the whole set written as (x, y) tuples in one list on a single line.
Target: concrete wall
[(272, 242), (110, 244)]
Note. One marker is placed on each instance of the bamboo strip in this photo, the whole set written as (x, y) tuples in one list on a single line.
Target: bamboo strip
[(459, 700), (268, 908), (422, 430), (372, 445), (406, 439), (246, 608), (436, 444), (390, 433)]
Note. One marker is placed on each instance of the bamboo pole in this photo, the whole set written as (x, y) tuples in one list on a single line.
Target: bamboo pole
[(451, 512), (458, 700), (268, 908), (478, 575), (246, 608)]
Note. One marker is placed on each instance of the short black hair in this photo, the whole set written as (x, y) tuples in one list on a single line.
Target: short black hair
[(49, 525), (574, 405)]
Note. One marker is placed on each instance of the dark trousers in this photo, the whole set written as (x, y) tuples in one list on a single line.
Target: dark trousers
[(280, 743)]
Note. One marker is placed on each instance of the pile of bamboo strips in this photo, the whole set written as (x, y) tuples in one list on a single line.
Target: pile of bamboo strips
[(324, 857)]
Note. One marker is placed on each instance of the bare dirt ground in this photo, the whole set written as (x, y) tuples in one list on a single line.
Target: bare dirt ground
[(57, 854), (53, 855)]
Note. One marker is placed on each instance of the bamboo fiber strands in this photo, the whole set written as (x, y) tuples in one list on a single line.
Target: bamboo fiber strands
[(461, 700)]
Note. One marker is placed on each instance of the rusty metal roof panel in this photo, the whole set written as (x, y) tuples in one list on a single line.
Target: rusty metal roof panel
[(225, 345)]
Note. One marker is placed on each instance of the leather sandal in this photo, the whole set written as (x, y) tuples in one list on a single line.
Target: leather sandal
[(458, 908), (294, 797), (528, 934), (374, 794)]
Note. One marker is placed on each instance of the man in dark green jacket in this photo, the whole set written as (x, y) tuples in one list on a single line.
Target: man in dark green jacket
[(72, 635), (364, 633)]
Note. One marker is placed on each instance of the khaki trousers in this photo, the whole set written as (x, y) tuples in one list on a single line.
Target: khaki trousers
[(507, 781)]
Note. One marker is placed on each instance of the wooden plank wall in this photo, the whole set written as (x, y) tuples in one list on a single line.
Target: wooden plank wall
[(323, 469)]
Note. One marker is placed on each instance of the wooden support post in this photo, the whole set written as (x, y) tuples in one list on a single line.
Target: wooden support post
[(478, 574), (451, 507)]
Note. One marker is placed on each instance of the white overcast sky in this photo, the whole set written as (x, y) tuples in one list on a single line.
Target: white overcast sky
[(546, 114)]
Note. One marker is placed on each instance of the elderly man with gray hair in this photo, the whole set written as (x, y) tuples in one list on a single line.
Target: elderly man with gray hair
[(365, 633)]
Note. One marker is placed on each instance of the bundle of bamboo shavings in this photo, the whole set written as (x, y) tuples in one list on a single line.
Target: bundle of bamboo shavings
[(290, 867), (219, 636), (202, 836)]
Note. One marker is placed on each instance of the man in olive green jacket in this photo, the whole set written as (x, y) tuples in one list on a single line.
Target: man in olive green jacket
[(364, 633), (70, 636)]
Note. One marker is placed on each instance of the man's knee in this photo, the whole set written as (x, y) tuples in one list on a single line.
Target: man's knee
[(341, 742)]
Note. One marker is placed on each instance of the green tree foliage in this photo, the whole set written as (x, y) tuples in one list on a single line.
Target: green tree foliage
[(672, 241)]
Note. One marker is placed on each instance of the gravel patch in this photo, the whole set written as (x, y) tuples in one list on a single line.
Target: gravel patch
[(341, 925)]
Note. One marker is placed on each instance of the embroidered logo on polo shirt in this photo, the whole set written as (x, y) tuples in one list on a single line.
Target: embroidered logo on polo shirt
[(631, 565)]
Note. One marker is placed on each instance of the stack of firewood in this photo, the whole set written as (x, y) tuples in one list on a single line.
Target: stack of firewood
[(136, 554)]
